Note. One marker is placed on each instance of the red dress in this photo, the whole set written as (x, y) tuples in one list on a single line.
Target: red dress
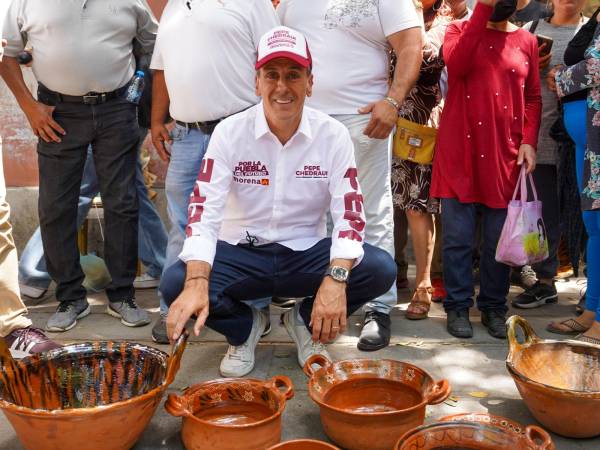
[(493, 106)]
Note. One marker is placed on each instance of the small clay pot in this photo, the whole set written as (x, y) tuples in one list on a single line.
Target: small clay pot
[(304, 444), (89, 396), (233, 413), (367, 404), (558, 380), (464, 435)]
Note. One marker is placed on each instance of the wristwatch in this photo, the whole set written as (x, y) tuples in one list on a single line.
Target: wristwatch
[(338, 273)]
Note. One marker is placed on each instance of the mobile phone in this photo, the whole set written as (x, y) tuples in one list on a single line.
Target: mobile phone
[(541, 39)]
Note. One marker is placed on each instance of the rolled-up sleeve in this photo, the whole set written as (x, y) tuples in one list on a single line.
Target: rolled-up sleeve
[(147, 26), (12, 29)]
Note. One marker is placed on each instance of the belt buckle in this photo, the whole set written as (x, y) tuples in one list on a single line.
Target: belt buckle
[(90, 99)]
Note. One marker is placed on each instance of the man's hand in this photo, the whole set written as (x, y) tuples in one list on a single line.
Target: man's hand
[(160, 138), (328, 316), (42, 123), (544, 61), (192, 300), (383, 119), (527, 155)]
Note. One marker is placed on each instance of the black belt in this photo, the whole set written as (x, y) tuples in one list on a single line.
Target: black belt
[(91, 98), (206, 127)]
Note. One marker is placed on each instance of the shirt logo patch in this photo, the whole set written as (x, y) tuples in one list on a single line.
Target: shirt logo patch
[(311, 172), (251, 172)]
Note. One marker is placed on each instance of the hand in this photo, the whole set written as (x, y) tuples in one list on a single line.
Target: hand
[(544, 61), (328, 316), (3, 42), (383, 119), (550, 78), (41, 121), (192, 300), (527, 155), (160, 137)]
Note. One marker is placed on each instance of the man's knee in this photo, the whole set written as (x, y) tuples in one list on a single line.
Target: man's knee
[(383, 267), (172, 281)]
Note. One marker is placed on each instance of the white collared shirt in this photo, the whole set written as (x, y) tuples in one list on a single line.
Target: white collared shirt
[(251, 184)]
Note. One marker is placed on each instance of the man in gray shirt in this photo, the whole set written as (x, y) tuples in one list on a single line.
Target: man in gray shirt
[(83, 60)]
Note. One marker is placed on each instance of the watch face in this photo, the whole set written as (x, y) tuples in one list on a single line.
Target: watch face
[(339, 273)]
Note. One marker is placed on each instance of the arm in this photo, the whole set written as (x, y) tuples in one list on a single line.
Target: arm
[(160, 108), (533, 112), (583, 75), (147, 27)]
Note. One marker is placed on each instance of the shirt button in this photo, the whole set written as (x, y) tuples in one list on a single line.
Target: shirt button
[(468, 136), (505, 107), (468, 96), (482, 156), (513, 70), (479, 123), (497, 94), (515, 117), (491, 47)]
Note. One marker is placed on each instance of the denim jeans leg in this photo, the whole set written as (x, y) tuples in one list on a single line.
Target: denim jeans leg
[(494, 276), (458, 222)]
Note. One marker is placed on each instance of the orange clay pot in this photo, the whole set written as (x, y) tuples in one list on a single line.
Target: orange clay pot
[(466, 435), (90, 396), (304, 444), (230, 414), (558, 380), (367, 404)]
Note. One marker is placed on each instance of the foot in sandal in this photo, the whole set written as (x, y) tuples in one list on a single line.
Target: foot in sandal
[(418, 308), (571, 326), (591, 336)]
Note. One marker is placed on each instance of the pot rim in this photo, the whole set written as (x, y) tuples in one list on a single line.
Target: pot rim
[(55, 413), (276, 415), (363, 414)]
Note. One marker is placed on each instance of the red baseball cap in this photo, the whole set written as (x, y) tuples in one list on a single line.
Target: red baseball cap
[(283, 42)]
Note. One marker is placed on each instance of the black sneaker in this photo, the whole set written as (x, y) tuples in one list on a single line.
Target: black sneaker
[(458, 323), (495, 322), (159, 330), (537, 295)]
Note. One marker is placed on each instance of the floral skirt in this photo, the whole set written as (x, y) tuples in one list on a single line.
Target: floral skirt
[(410, 187)]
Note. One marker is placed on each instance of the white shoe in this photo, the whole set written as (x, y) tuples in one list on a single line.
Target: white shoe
[(239, 360), (145, 281), (30, 291), (301, 337)]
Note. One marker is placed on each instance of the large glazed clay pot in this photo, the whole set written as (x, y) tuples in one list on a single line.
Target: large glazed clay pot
[(90, 396), (230, 414), (464, 435), (367, 404), (558, 380), (304, 444)]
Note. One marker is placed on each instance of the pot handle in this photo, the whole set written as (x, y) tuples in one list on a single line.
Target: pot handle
[(279, 381), (535, 434), (317, 359), (439, 392), (511, 331), (175, 357), (177, 406)]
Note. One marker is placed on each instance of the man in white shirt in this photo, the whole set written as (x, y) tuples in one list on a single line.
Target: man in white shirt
[(257, 219), (351, 41), (203, 73)]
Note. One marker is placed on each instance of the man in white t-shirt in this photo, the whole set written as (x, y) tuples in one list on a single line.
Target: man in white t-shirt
[(350, 41), (203, 72), (257, 220)]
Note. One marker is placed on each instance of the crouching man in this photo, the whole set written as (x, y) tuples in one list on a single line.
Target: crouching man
[(257, 220)]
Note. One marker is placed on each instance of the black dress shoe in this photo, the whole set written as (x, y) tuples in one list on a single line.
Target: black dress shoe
[(375, 333), (495, 322), (458, 323)]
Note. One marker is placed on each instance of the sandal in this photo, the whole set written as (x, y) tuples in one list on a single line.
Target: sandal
[(587, 339), (418, 308), (572, 327)]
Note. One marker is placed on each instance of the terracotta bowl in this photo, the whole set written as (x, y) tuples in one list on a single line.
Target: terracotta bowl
[(97, 395), (304, 444), (367, 404), (558, 380), (233, 413), (465, 435)]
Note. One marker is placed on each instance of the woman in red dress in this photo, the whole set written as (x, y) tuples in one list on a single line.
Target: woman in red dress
[(489, 127)]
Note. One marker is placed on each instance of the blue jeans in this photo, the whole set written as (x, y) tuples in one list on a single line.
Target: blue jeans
[(241, 273), (575, 117), (459, 225), (152, 236)]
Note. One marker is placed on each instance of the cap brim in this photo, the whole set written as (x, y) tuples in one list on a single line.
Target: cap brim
[(304, 62)]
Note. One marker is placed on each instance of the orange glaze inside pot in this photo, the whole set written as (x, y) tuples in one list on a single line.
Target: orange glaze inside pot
[(235, 413)]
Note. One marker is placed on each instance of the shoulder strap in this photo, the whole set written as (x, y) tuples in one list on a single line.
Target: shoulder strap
[(534, 25)]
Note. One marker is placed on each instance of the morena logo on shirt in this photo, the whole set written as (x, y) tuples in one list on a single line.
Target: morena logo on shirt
[(251, 172), (313, 171)]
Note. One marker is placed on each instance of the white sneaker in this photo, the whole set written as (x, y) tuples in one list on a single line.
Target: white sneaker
[(301, 337), (239, 360), (30, 291), (145, 281)]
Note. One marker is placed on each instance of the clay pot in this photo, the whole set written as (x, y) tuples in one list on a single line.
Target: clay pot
[(367, 404), (234, 413), (304, 444), (558, 380), (90, 396), (464, 435)]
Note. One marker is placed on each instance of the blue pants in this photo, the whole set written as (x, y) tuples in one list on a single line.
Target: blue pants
[(575, 117), (241, 273), (459, 224)]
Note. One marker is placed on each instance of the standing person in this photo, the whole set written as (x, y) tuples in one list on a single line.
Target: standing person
[(16, 328), (83, 61), (350, 41), (528, 11), (582, 121), (561, 27), (489, 127), (257, 222), (203, 72)]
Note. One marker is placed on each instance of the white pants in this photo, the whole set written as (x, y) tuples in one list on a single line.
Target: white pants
[(374, 163)]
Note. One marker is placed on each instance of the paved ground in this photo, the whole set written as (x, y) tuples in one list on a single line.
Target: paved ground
[(474, 367)]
